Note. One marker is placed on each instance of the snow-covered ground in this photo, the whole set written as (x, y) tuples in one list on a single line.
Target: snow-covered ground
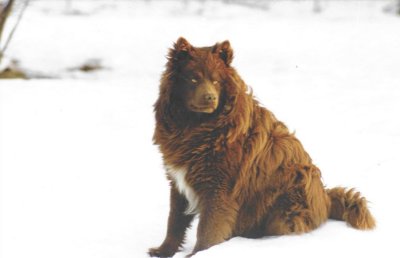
[(79, 174)]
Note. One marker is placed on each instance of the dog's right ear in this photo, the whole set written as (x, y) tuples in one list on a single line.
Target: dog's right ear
[(182, 49), (182, 45)]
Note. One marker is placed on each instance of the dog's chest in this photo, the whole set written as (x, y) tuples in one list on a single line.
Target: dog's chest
[(178, 176)]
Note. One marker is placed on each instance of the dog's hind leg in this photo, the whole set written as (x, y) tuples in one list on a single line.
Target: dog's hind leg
[(295, 221), (302, 207)]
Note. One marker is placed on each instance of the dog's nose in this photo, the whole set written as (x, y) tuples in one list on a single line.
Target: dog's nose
[(209, 97)]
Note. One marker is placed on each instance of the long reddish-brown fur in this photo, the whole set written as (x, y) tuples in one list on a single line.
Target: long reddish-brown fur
[(236, 166)]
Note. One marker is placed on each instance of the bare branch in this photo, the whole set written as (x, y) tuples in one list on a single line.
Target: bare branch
[(4, 13), (15, 27)]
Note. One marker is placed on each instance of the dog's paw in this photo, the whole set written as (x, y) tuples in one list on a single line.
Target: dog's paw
[(161, 252)]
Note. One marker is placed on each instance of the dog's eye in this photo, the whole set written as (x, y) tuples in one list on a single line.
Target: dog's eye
[(194, 81), (215, 82)]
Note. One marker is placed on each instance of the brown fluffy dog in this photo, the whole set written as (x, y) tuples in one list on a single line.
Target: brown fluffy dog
[(232, 162)]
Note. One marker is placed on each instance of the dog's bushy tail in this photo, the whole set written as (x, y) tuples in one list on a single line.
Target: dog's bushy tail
[(350, 206)]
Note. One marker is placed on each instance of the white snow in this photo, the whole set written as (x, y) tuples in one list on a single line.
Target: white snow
[(79, 174)]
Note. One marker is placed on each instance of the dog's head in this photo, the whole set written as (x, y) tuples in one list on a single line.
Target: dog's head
[(199, 75)]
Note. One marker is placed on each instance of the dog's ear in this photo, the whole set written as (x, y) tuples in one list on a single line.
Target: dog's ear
[(182, 49), (224, 51), (182, 45)]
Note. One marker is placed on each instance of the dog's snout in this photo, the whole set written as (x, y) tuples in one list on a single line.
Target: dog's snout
[(210, 97)]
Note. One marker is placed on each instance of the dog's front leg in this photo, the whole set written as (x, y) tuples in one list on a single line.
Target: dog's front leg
[(178, 222), (217, 219)]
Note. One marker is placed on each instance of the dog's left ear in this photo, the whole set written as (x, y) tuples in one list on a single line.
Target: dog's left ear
[(182, 49), (224, 51)]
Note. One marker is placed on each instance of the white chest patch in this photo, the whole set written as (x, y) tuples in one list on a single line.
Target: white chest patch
[(178, 175)]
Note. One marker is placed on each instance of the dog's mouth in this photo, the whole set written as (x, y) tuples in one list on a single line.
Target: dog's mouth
[(202, 109)]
